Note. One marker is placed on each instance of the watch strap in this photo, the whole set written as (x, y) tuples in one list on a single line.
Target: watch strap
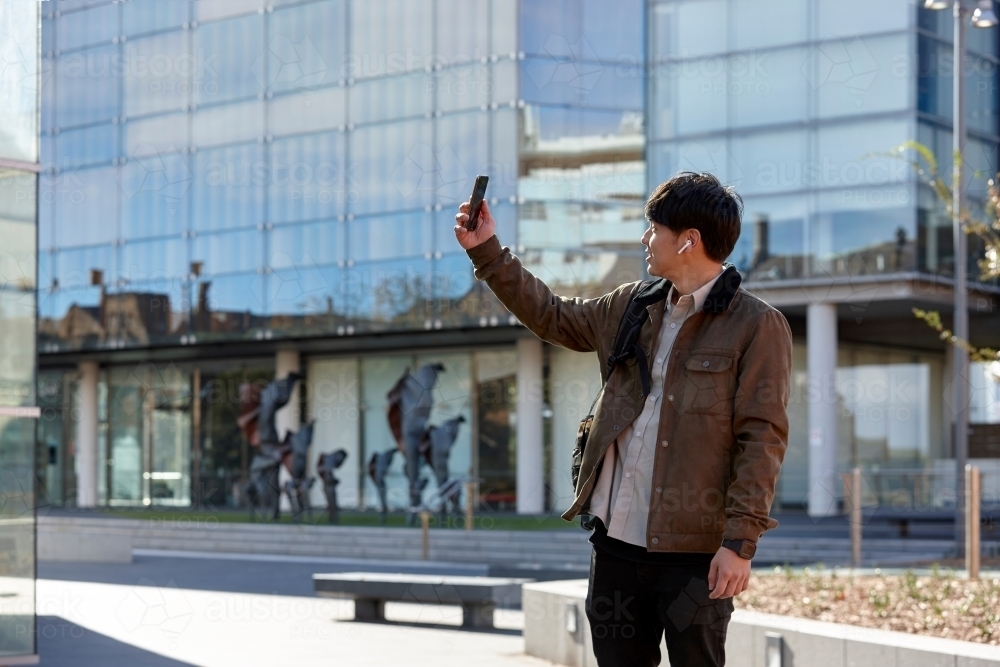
[(743, 548)]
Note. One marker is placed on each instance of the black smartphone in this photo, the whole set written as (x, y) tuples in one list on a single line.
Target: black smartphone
[(476, 202)]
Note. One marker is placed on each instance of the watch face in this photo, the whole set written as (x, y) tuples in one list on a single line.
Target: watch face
[(748, 549)]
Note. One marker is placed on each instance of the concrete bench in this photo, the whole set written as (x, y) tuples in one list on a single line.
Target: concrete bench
[(478, 596)]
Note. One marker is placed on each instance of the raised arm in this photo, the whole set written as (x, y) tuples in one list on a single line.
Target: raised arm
[(569, 322)]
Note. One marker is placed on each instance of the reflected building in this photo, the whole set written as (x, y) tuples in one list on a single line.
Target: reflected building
[(21, 460), (235, 189)]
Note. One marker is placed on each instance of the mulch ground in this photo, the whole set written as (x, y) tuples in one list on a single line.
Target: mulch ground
[(939, 605)]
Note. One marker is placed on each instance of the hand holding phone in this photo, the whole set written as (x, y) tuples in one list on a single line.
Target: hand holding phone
[(476, 202), (473, 223)]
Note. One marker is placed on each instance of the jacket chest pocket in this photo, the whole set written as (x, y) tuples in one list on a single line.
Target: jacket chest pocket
[(709, 383)]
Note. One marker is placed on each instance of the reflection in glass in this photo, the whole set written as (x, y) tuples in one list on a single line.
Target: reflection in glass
[(588, 30), (159, 74), (307, 179), (155, 192), (19, 81), (238, 70), (389, 37), (582, 83), (391, 294), (393, 167), (305, 45), (86, 87), (864, 231), (17, 517), (87, 146), (227, 187)]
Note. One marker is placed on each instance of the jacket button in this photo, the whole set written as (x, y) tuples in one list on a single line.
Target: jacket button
[(705, 364), (616, 427), (655, 540), (669, 398), (659, 489), (663, 444)]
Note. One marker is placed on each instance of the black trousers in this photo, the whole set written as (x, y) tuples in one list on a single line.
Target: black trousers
[(631, 605)]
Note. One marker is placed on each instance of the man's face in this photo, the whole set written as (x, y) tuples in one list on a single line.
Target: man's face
[(662, 245)]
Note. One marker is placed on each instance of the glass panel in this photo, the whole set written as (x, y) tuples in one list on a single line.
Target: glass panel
[(378, 375), (170, 422), (389, 36), (310, 245), (768, 87), (503, 26), (208, 10), (669, 157), (934, 78), (504, 150), (228, 192), (307, 178), (154, 261), (308, 112), (155, 192), (391, 237), (452, 398), (391, 294), (126, 397), (848, 18), (87, 86), (690, 97), (73, 266), (393, 167), (388, 98), (236, 70), (588, 30), (140, 16), (54, 458), (97, 25), (452, 280), (689, 28), (466, 87), (845, 154), (235, 303), (550, 81), (91, 145), (462, 152), (17, 571), (333, 393), (982, 96), (160, 72), (864, 231), (772, 245), (769, 161), (17, 229), (305, 297), (984, 394), (764, 23), (229, 124), (497, 420), (83, 197), (306, 45), (467, 25), (228, 252), (17, 363), (19, 81), (879, 79), (155, 136)]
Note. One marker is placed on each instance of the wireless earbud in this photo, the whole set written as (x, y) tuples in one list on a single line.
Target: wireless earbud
[(687, 244)]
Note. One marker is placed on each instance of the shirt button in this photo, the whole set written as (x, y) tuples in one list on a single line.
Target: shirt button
[(673, 325), (638, 432), (628, 474), (659, 360), (655, 540), (705, 364), (659, 489), (663, 444)]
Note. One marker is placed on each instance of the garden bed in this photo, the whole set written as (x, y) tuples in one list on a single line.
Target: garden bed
[(939, 605)]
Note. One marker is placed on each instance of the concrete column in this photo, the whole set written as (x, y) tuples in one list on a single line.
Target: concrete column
[(86, 435), (289, 417), (821, 342), (530, 473)]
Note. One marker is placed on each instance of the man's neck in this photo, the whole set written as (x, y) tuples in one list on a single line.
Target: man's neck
[(695, 277)]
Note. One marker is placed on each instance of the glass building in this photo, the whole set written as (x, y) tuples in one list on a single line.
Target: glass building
[(19, 411), (235, 189)]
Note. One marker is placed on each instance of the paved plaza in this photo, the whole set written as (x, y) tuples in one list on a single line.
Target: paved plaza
[(173, 612)]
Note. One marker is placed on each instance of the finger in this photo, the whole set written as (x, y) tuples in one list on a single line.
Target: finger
[(464, 207), (718, 586), (460, 230), (484, 211), (460, 218), (731, 587), (713, 575)]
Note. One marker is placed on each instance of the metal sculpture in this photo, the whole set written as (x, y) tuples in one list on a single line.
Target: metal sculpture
[(378, 466), (325, 467), (258, 409), (437, 444), (410, 403)]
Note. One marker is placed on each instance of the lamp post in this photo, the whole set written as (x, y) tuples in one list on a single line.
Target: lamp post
[(982, 17)]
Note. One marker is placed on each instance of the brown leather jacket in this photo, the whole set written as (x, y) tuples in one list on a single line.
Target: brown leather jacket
[(723, 426)]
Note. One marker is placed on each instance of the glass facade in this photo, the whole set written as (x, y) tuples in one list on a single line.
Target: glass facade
[(19, 25)]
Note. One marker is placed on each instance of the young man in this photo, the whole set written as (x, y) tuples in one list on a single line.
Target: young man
[(688, 437)]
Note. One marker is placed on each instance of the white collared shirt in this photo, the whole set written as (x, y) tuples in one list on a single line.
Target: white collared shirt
[(621, 497)]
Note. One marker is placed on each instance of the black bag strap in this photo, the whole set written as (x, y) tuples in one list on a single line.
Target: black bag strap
[(626, 342)]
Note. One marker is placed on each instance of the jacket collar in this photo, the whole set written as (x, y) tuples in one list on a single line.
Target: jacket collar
[(717, 301)]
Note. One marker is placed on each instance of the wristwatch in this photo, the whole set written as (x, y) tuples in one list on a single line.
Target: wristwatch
[(744, 548)]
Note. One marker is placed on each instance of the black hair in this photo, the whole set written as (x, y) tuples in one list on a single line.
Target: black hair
[(698, 200)]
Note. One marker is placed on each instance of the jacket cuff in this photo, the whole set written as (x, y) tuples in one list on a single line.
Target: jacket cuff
[(738, 528), (485, 252)]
